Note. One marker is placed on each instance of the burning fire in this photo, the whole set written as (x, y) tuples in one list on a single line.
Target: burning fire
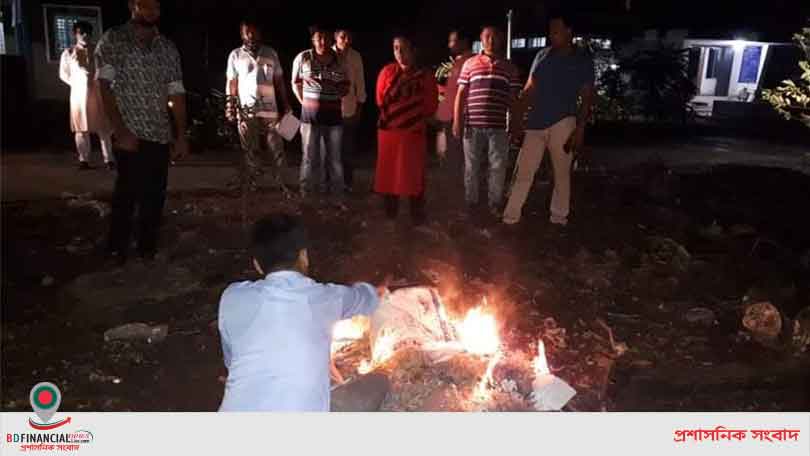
[(352, 329), (347, 331), (482, 391), (383, 348), (540, 363), (478, 332)]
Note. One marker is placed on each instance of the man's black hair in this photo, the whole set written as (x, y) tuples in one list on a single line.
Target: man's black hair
[(313, 29), (83, 26), (249, 21), (277, 240), (566, 16)]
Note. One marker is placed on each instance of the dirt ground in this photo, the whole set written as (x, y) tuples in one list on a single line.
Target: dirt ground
[(646, 247)]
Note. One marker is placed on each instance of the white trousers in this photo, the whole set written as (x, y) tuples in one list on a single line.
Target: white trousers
[(529, 159), (84, 147)]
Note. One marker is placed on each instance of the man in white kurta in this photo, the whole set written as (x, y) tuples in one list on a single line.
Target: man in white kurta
[(77, 69)]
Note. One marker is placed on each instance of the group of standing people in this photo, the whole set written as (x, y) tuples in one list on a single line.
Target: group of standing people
[(329, 83), (120, 89), (485, 103)]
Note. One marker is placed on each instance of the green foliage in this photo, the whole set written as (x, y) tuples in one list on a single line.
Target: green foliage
[(792, 98)]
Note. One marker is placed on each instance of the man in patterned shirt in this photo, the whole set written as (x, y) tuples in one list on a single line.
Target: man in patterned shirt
[(320, 82), (255, 79), (141, 80)]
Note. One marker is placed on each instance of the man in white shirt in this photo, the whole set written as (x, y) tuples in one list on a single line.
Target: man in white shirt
[(255, 80), (352, 103), (277, 332)]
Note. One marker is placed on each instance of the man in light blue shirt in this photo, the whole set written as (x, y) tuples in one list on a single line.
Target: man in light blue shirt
[(276, 332)]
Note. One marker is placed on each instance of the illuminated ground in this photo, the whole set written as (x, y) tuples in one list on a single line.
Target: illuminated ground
[(604, 268)]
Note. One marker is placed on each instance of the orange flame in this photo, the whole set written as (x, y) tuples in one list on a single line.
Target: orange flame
[(383, 348), (347, 331), (352, 329), (364, 367), (478, 332), (540, 362), (482, 391)]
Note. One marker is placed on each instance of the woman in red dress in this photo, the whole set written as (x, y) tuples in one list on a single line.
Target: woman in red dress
[(407, 97)]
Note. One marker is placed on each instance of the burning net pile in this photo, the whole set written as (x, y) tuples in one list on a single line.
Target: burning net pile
[(437, 363)]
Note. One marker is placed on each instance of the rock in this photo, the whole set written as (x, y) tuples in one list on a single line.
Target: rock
[(713, 232), (700, 316), (666, 251), (138, 332), (85, 200), (801, 331), (48, 281), (366, 394), (763, 320), (742, 230)]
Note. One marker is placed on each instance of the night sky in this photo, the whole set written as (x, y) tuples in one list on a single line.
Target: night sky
[(206, 30)]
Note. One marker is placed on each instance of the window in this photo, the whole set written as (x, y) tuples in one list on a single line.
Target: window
[(537, 42), (749, 69), (477, 47), (59, 20), (711, 63), (518, 43)]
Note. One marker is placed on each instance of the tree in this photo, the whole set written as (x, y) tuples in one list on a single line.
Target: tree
[(659, 82), (792, 97)]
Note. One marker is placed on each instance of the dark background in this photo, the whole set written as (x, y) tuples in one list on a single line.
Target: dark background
[(205, 31)]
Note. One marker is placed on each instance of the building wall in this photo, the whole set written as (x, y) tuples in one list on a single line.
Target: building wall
[(45, 83), (706, 86)]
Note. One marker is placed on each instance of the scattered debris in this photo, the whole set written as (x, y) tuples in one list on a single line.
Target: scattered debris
[(742, 230), (665, 251), (763, 320), (100, 377), (700, 316), (138, 331), (801, 331), (105, 290), (713, 232), (85, 200), (551, 393), (365, 394)]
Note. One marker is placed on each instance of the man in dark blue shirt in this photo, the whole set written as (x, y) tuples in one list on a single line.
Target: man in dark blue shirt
[(560, 77)]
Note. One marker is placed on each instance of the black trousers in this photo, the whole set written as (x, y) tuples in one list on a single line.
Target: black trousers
[(391, 204), (141, 182), (349, 152)]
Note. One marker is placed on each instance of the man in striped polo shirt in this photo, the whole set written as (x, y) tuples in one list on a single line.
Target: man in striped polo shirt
[(487, 88), (320, 82)]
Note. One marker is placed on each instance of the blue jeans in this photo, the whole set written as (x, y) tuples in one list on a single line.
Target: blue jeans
[(477, 141), (311, 137)]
